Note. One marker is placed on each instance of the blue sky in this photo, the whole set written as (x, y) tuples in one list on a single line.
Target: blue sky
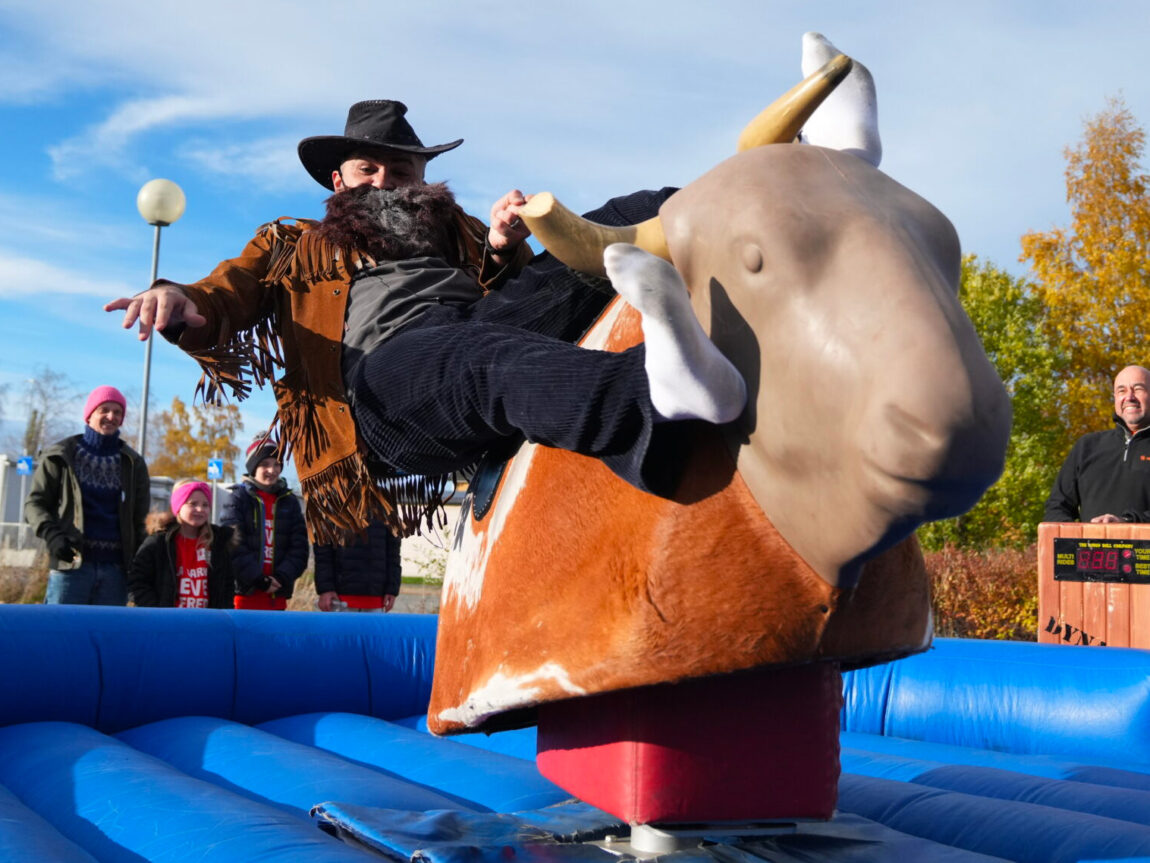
[(587, 100)]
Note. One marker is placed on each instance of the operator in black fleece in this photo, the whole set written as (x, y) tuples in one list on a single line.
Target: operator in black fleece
[(1106, 477)]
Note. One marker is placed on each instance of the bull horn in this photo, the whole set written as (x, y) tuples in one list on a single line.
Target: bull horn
[(781, 121), (579, 243)]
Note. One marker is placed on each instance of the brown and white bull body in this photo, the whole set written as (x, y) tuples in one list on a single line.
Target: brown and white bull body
[(833, 290)]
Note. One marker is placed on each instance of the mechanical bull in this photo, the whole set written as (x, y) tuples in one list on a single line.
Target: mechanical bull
[(872, 408)]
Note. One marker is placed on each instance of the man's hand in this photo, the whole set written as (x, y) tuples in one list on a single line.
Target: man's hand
[(159, 306), (326, 599), (1107, 519), (61, 549), (273, 585), (388, 601), (507, 231)]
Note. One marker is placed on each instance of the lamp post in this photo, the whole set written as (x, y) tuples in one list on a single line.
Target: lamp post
[(161, 203)]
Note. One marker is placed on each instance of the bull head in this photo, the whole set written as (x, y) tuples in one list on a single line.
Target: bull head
[(833, 290)]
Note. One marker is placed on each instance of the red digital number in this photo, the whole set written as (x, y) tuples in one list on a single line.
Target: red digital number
[(1097, 560)]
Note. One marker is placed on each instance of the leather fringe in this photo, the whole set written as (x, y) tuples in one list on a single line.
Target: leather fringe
[(342, 499), (300, 426), (314, 259), (250, 357)]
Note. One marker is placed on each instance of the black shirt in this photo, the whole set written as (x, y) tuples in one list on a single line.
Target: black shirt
[(1106, 472)]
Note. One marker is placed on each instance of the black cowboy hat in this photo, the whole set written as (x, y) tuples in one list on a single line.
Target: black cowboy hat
[(376, 123)]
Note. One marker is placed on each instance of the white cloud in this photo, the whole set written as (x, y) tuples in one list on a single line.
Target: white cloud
[(599, 96), (269, 163), (58, 222), (23, 277), (22, 82), (108, 143), (459, 66), (590, 99)]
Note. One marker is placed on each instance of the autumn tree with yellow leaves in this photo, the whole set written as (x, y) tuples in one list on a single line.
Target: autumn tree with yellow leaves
[(188, 438), (1093, 277), (1058, 338)]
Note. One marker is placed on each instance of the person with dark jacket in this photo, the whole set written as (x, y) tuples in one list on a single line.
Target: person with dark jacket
[(89, 498), (362, 576), (272, 548), (186, 561), (1106, 477)]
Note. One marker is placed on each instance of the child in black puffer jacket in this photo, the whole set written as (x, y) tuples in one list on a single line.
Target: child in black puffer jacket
[(186, 561), (272, 547)]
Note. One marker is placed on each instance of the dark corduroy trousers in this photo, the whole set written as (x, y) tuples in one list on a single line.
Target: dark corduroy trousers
[(462, 381)]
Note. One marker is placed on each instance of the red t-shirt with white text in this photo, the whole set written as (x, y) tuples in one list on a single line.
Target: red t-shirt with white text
[(269, 532), (192, 580), (260, 599)]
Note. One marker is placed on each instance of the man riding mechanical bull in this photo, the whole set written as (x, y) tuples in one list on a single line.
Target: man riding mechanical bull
[(413, 339)]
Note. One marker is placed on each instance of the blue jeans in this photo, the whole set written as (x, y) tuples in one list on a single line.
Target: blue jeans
[(92, 583)]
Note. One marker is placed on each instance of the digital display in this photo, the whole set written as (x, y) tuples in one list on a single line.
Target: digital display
[(1101, 560), (1112, 560)]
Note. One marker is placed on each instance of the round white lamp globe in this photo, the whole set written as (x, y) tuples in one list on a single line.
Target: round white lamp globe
[(160, 202)]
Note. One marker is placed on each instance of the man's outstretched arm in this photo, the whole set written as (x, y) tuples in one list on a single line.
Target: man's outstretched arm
[(159, 307), (223, 320)]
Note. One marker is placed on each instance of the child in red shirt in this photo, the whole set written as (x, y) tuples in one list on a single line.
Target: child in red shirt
[(186, 561), (272, 547)]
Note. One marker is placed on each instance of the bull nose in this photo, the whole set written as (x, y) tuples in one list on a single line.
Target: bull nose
[(952, 455), (907, 444)]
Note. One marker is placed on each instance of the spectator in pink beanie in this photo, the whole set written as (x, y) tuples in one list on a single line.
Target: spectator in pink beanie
[(186, 561), (90, 495)]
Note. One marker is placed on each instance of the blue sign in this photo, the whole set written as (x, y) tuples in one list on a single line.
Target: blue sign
[(215, 468), (24, 465)]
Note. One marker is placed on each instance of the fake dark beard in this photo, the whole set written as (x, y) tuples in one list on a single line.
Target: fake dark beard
[(392, 224)]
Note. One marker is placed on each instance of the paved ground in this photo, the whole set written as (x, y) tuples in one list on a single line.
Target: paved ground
[(417, 599)]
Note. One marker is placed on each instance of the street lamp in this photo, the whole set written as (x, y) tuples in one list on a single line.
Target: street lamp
[(161, 203)]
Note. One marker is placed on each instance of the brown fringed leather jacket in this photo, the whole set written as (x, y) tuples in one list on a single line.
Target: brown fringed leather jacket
[(281, 305)]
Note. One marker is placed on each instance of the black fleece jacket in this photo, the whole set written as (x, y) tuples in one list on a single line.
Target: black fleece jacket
[(1106, 472)]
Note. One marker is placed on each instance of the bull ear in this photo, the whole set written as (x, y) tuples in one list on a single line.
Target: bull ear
[(579, 243), (781, 121)]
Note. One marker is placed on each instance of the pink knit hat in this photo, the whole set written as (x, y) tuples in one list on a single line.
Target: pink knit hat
[(104, 394), (183, 491)]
